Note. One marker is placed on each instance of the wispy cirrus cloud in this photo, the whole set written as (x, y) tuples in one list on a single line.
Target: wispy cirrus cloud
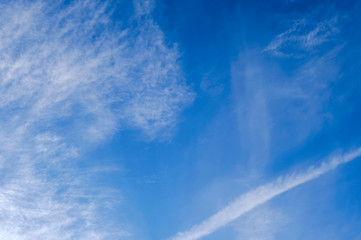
[(262, 194), (277, 108), (71, 75), (44, 195), (55, 65), (304, 36)]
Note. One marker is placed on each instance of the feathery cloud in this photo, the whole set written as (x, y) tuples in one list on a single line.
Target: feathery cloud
[(303, 37), (71, 75), (260, 195)]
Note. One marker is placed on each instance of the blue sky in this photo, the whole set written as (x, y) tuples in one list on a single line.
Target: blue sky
[(180, 120)]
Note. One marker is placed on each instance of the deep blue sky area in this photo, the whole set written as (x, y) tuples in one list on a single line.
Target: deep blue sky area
[(180, 120)]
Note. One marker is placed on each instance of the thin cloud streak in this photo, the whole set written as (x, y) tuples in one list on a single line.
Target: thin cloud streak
[(260, 195), (303, 37)]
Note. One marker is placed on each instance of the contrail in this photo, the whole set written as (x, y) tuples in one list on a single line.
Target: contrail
[(260, 195)]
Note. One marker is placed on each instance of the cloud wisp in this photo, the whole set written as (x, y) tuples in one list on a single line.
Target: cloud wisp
[(72, 61), (303, 37), (260, 195), (72, 75)]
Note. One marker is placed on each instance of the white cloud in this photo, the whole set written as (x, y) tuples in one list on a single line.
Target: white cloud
[(74, 64), (277, 110), (70, 76), (44, 196), (260, 195), (303, 36)]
